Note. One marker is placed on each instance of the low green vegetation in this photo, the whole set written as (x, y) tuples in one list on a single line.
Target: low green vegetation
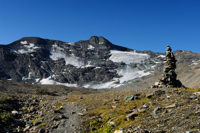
[(5, 116), (108, 111)]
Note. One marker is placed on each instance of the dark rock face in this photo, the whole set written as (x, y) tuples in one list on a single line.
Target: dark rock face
[(93, 61)]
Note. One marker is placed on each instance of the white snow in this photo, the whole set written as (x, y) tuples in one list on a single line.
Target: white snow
[(162, 56), (28, 48), (127, 57), (87, 66), (36, 80), (71, 43), (110, 84), (129, 73), (90, 47), (24, 42), (101, 42), (50, 81), (58, 53), (195, 62)]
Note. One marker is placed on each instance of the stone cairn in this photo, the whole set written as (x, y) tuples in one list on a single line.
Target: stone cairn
[(169, 75)]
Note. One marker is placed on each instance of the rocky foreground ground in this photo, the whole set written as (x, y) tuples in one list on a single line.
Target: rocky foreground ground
[(134, 111)]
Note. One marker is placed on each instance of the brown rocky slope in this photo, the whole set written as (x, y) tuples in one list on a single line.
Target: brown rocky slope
[(134, 111)]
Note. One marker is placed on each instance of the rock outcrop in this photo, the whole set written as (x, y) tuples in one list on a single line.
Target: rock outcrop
[(95, 63)]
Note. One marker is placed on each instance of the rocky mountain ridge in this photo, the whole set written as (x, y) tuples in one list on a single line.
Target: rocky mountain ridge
[(94, 63)]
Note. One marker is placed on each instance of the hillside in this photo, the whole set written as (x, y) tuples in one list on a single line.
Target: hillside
[(61, 109)]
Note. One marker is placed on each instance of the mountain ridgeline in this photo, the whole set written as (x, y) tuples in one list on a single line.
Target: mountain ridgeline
[(94, 63)]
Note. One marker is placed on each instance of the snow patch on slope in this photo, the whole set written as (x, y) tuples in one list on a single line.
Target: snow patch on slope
[(162, 56), (126, 74), (50, 81), (129, 73), (24, 42), (127, 57), (90, 47), (27, 48), (58, 53), (110, 84), (195, 62)]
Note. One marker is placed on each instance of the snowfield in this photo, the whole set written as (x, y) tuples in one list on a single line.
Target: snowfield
[(49, 81), (126, 74), (27, 48), (127, 57), (58, 53)]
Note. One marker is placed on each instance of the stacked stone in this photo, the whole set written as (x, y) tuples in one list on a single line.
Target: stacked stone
[(169, 75)]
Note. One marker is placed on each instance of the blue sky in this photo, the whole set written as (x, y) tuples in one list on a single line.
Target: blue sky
[(136, 24)]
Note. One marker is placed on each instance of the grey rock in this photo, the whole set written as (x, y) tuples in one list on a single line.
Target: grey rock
[(42, 130), (155, 111), (35, 62), (159, 92), (193, 97), (37, 123), (130, 98), (131, 116)]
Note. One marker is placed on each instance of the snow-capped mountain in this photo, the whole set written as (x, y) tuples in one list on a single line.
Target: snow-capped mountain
[(94, 63)]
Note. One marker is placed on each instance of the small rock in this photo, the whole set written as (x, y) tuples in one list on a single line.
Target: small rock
[(30, 122), (159, 131), (63, 117), (145, 105), (168, 97), (197, 93), (137, 94), (73, 113), (15, 112), (42, 130), (159, 92), (84, 110), (81, 114), (59, 117), (149, 95), (188, 132), (118, 131), (171, 106), (197, 112), (26, 128), (55, 125), (146, 131), (113, 107), (131, 97), (57, 111), (193, 97), (72, 125), (34, 128), (141, 110), (112, 123), (156, 110), (37, 123), (131, 116)]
